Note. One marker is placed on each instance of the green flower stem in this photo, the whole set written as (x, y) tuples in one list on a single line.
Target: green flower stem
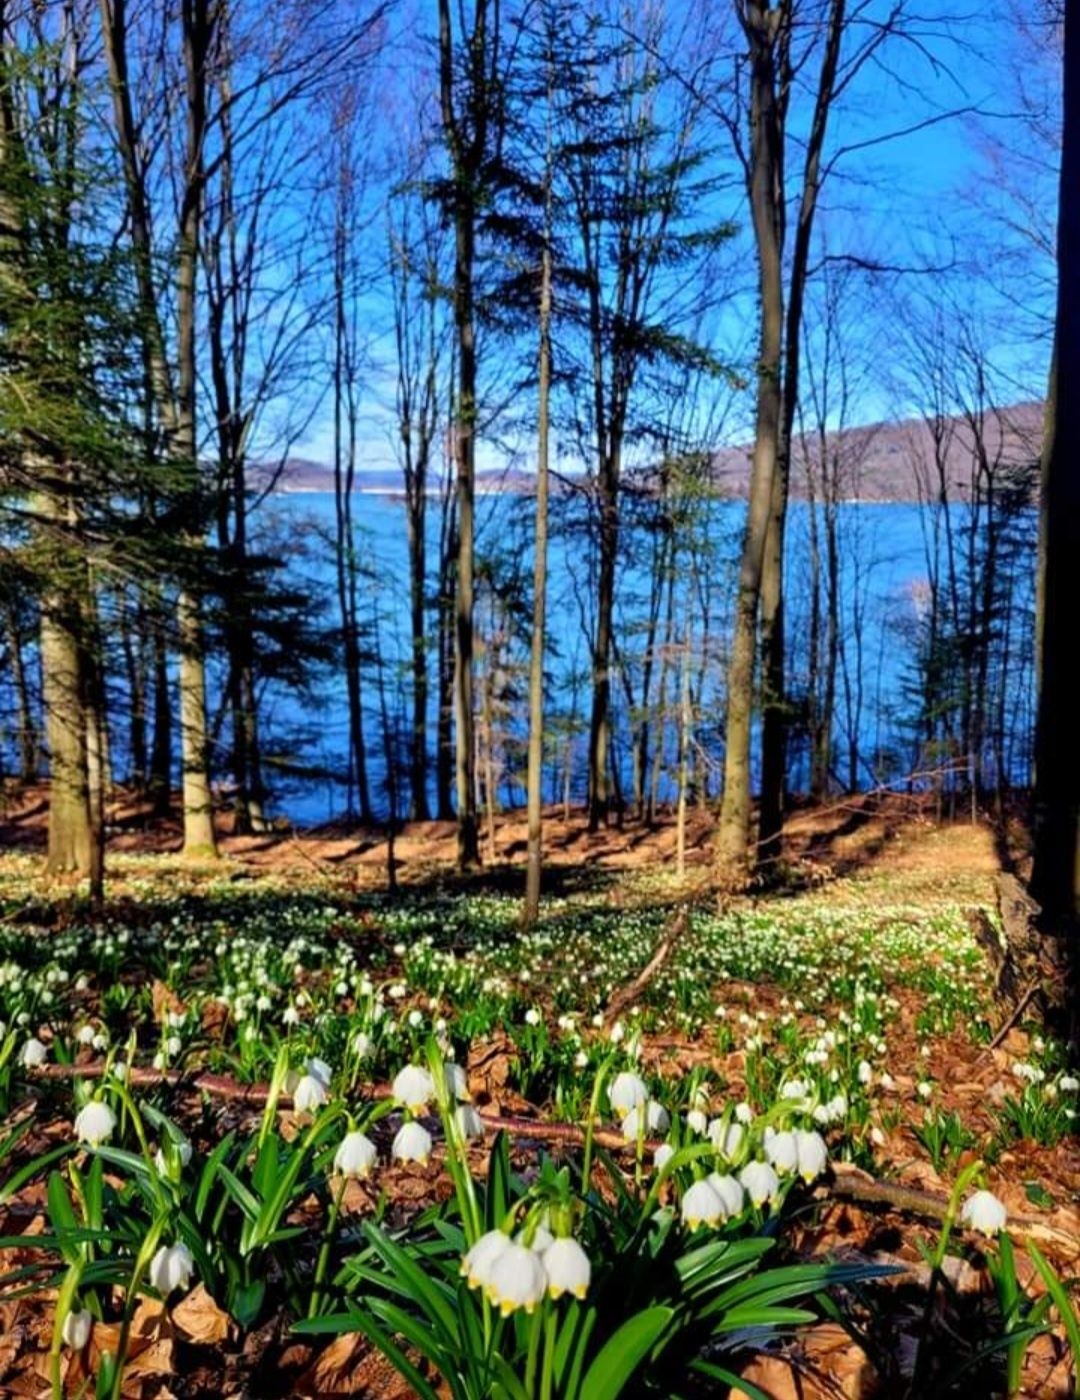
[(547, 1374), (161, 1199), (64, 1302), (277, 1083), (534, 1346), (456, 1152), (937, 1259), (142, 1263), (590, 1126), (323, 1261)]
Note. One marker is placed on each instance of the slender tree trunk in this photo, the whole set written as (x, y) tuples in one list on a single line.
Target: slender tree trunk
[(131, 636), (161, 748), (444, 746), (97, 741), (199, 840), (536, 658), (28, 735), (418, 766), (685, 721), (662, 697), (468, 149), (600, 717), (345, 442), (465, 425), (774, 709), (733, 836), (487, 712), (175, 400)]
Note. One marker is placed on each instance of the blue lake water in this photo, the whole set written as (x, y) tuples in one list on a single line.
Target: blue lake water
[(885, 562)]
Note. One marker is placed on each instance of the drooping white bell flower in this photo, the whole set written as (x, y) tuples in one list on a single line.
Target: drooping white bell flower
[(697, 1122), (310, 1094), (76, 1329), (813, 1155), (94, 1123), (320, 1070), (761, 1182), (412, 1144), (469, 1122), (701, 1206), (541, 1239), (356, 1156), (180, 1153), (412, 1086), (782, 1151), (652, 1117), (518, 1280), (984, 1212), (627, 1091), (34, 1053), (727, 1138), (362, 1045), (478, 1262), (663, 1155), (171, 1268), (568, 1268), (730, 1192), (457, 1084)]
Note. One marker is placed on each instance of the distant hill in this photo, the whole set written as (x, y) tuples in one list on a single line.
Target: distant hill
[(897, 461), (900, 461)]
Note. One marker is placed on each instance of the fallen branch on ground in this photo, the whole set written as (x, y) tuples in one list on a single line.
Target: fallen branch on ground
[(848, 1183), (630, 993)]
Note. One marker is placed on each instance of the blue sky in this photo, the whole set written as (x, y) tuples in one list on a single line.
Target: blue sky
[(943, 191)]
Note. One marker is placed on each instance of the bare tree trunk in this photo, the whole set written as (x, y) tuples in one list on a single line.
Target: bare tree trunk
[(487, 740), (599, 721), (345, 444), (71, 837), (162, 740), (444, 745), (662, 698), (175, 403), (199, 840), (733, 837), (685, 739), (418, 766), (134, 652), (539, 612), (774, 714), (467, 146), (28, 735)]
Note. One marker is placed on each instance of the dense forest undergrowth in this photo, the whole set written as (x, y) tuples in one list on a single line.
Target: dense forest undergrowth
[(862, 1005)]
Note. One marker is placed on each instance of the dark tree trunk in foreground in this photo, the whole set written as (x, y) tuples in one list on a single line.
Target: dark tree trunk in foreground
[(1055, 880)]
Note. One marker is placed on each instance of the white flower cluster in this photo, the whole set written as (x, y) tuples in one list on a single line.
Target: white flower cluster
[(719, 1197), (515, 1275)]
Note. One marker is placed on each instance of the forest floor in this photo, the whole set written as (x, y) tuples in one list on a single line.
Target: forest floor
[(883, 944)]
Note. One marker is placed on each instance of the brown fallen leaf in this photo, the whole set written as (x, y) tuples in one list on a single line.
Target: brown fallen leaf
[(197, 1318), (348, 1366), (165, 1001)]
